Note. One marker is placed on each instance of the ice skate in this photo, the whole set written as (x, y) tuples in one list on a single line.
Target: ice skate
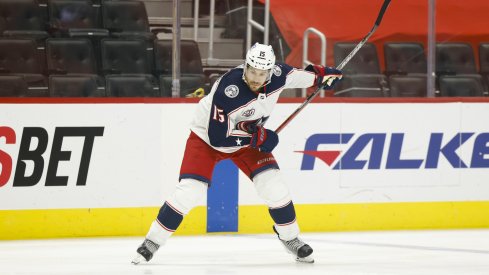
[(145, 251), (298, 248)]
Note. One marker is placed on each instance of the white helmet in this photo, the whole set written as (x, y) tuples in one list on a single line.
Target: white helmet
[(260, 57)]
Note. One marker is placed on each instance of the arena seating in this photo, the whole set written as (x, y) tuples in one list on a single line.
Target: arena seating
[(363, 85), (484, 61), (23, 18), (126, 19), (464, 85), (405, 69), (67, 56), (80, 48), (132, 85), (404, 58), (192, 74), (127, 67), (97, 48), (412, 85), (13, 86), (75, 85), (454, 58), (405, 66), (366, 60), (69, 15), (362, 73), (20, 57), (73, 68), (457, 71)]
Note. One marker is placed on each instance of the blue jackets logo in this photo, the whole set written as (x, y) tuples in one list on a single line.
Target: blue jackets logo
[(440, 145)]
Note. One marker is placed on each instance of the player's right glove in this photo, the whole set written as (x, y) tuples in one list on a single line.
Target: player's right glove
[(264, 140)]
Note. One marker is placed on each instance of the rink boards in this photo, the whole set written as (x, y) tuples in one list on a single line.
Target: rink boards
[(88, 167)]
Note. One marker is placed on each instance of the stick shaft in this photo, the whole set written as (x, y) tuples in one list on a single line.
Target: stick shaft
[(340, 67)]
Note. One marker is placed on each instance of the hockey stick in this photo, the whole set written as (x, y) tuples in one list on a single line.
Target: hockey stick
[(340, 67)]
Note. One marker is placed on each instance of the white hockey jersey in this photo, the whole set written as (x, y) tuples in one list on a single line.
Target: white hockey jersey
[(231, 101)]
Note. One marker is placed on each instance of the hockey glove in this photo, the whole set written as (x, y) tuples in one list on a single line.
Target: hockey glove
[(326, 77), (264, 140)]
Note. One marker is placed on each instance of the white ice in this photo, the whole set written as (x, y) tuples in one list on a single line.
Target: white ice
[(393, 252)]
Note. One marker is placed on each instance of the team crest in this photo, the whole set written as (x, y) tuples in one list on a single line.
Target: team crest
[(277, 71), (231, 91)]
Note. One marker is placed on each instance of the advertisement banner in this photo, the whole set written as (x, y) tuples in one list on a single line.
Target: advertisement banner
[(376, 152), (89, 155), (105, 168)]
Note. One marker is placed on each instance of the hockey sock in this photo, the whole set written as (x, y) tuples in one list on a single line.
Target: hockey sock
[(283, 215), (285, 221), (169, 218)]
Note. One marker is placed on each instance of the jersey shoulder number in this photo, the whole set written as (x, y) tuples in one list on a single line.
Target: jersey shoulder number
[(218, 114)]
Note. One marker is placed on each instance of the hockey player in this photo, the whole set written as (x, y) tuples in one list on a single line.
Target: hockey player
[(229, 124)]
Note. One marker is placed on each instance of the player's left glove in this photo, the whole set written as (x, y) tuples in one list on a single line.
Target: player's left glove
[(326, 77), (264, 140)]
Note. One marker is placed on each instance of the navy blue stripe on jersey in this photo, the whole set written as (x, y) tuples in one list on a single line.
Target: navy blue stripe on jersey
[(169, 218), (195, 177), (283, 215), (263, 168)]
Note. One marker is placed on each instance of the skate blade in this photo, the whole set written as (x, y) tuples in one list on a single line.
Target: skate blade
[(137, 260), (307, 259)]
